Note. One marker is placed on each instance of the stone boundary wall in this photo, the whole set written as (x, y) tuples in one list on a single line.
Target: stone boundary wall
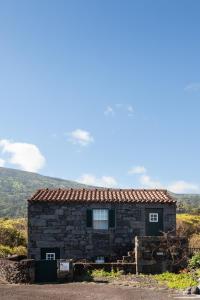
[(17, 272), (158, 254)]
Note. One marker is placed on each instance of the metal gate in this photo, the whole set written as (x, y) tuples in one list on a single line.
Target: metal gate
[(46, 271)]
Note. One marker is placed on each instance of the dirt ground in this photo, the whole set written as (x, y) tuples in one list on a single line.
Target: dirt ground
[(79, 291)]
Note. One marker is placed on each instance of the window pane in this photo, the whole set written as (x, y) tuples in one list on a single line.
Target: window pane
[(100, 218), (100, 214), (153, 217), (50, 256), (98, 224)]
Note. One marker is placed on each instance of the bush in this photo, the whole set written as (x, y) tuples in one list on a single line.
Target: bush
[(177, 281), (5, 251), (13, 232), (194, 262), (20, 250), (103, 273), (187, 225), (194, 241)]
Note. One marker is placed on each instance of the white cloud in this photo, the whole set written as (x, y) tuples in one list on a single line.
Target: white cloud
[(2, 162), (193, 87), (137, 170), (148, 182), (109, 181), (119, 109), (130, 110), (27, 156), (182, 186), (179, 186), (109, 111), (104, 181), (81, 137)]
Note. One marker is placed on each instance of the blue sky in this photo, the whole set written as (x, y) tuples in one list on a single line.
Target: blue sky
[(104, 92)]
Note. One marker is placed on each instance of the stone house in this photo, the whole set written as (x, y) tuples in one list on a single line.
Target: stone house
[(95, 224)]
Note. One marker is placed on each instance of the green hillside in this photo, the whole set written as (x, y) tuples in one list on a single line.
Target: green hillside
[(16, 186), (189, 203)]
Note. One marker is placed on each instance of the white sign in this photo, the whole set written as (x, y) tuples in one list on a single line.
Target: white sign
[(64, 266)]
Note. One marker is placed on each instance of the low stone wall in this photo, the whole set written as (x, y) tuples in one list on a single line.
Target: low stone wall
[(17, 272), (158, 254)]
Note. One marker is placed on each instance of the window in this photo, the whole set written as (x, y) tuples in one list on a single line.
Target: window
[(100, 218), (50, 256), (100, 260), (153, 217)]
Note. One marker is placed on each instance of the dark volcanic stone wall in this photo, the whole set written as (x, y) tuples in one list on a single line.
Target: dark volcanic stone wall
[(63, 225), (17, 272)]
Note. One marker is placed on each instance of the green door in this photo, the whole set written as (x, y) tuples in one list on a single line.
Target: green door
[(46, 271), (46, 268), (154, 221)]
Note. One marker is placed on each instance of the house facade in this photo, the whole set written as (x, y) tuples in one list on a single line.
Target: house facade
[(95, 224)]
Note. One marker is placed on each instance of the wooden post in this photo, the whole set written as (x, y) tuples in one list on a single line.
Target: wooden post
[(137, 255)]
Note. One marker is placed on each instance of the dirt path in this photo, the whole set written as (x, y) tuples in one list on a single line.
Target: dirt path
[(79, 291)]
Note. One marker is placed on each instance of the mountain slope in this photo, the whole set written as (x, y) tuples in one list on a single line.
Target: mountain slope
[(188, 202), (16, 186)]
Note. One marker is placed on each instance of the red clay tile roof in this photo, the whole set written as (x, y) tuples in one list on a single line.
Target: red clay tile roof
[(102, 195)]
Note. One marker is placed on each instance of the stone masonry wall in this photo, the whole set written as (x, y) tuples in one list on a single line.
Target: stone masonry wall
[(158, 254), (63, 225), (17, 272)]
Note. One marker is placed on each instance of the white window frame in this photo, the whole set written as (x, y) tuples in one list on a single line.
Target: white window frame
[(100, 218), (153, 217), (50, 256)]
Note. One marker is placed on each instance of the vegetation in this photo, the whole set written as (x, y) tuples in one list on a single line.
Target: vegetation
[(103, 273), (189, 226), (13, 237), (194, 240), (186, 278), (177, 281), (194, 262), (188, 203), (17, 186)]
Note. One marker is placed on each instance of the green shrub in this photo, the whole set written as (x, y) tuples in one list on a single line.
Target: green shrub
[(13, 232), (103, 273), (20, 250), (187, 224), (5, 251), (177, 281), (194, 262)]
